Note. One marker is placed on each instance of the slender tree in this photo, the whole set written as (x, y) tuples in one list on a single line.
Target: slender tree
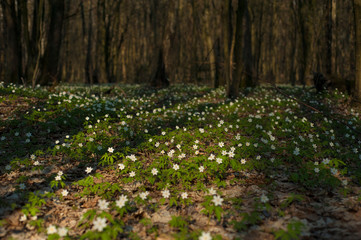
[(13, 50), (49, 72), (242, 73), (357, 13)]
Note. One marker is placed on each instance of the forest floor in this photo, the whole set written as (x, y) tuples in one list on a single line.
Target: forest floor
[(178, 163)]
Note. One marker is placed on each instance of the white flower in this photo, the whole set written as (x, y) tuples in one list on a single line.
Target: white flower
[(154, 171), (62, 231), (221, 144), (211, 157), (36, 163), (57, 178), (110, 149), (22, 186), (32, 157), (205, 236), (23, 218), (51, 229), (88, 170), (325, 161), (264, 198), (212, 191), (166, 193), (121, 201), (176, 167), (60, 173), (8, 167), (64, 192), (132, 157), (181, 156), (334, 171), (217, 200), (201, 169), (99, 224), (184, 195), (243, 161), (316, 170), (144, 195), (296, 151), (219, 160), (132, 174), (121, 166), (103, 204)]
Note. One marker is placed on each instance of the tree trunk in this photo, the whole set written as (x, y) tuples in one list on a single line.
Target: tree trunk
[(248, 56), (227, 39), (50, 72), (334, 37), (234, 83), (88, 73), (160, 78), (357, 13), (217, 59), (304, 43), (13, 67), (329, 27), (233, 89)]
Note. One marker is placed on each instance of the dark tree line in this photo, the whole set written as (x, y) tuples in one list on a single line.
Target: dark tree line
[(232, 43)]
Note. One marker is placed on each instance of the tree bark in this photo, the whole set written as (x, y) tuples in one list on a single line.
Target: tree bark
[(357, 13), (240, 66), (329, 27), (88, 73), (13, 53), (304, 43), (217, 59), (50, 72), (248, 56), (160, 78), (233, 89), (227, 39)]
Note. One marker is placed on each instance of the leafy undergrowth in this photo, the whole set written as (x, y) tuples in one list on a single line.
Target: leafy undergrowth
[(178, 163)]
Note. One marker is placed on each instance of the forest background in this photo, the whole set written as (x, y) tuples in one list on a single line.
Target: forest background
[(217, 43)]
